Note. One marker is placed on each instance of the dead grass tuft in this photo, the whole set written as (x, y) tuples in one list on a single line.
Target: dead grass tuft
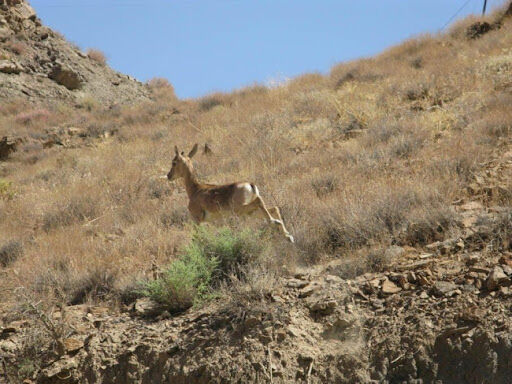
[(97, 56)]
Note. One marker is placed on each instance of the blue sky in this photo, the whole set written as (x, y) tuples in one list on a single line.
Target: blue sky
[(220, 45)]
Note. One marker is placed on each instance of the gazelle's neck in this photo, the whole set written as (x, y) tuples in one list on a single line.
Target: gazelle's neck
[(191, 183)]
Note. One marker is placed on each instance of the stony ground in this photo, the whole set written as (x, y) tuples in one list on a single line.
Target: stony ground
[(439, 313)]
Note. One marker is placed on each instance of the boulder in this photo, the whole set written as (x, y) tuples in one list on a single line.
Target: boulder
[(389, 287), (496, 278), (444, 288), (66, 76)]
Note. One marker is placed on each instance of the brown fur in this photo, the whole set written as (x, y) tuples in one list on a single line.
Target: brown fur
[(240, 198)]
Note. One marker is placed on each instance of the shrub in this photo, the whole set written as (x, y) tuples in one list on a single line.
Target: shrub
[(59, 279), (6, 190), (211, 101), (97, 56), (10, 252), (162, 88), (96, 283), (324, 185), (203, 264), (78, 209)]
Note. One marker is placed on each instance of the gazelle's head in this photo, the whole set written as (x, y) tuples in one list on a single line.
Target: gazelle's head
[(181, 164)]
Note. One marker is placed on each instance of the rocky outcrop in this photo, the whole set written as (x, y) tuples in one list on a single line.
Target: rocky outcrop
[(66, 77), (39, 64), (8, 145)]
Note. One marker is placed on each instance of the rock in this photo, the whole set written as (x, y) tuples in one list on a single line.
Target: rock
[(60, 368), (506, 260), (296, 283), (505, 291), (416, 265), (469, 221), (394, 252), (24, 12), (147, 307), (472, 258), (434, 246), (479, 269), (422, 280), (403, 282), (281, 335), (5, 33), (323, 307), (74, 131), (72, 345), (10, 67), (66, 77), (389, 287), (444, 288), (496, 278), (7, 346), (333, 279), (8, 145), (507, 269), (472, 206), (251, 322), (308, 291)]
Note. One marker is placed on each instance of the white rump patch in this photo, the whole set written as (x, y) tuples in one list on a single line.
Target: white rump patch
[(248, 193)]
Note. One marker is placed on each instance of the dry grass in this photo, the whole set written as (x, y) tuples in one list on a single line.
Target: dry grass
[(370, 155), (97, 56)]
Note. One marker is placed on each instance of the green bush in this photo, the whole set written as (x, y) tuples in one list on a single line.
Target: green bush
[(203, 264), (6, 190)]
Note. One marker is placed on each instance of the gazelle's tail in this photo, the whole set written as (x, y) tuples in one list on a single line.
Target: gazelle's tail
[(255, 189)]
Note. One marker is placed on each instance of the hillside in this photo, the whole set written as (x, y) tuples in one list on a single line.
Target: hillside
[(393, 173), (38, 64)]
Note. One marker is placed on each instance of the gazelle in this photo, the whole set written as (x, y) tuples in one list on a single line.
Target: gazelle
[(207, 200)]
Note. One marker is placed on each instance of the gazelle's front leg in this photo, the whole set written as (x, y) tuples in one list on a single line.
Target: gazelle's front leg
[(197, 213)]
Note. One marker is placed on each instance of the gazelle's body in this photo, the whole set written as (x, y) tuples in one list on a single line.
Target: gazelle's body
[(207, 201)]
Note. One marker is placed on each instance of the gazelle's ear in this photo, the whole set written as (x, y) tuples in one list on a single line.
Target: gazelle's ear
[(176, 150), (193, 151)]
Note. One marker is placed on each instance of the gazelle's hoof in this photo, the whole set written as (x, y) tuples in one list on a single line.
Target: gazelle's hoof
[(290, 237)]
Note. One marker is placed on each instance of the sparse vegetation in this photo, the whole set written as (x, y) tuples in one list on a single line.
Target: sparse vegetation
[(372, 154), (97, 56), (210, 257), (10, 252)]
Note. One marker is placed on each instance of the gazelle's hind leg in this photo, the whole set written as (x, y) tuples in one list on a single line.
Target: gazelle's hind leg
[(276, 212), (279, 221)]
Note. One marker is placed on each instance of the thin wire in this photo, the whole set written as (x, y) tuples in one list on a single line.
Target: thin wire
[(455, 14)]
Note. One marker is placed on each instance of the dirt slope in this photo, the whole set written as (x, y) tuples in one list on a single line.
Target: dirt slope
[(38, 64)]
